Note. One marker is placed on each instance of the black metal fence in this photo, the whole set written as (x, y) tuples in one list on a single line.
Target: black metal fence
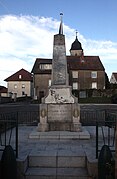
[(8, 122), (28, 117), (106, 129), (99, 118), (89, 117)]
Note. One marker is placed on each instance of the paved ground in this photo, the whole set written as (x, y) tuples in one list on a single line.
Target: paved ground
[(26, 145)]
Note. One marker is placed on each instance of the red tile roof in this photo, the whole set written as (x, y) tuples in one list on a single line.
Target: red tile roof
[(21, 75), (84, 63)]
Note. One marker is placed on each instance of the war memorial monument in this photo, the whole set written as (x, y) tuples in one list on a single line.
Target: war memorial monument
[(59, 110)]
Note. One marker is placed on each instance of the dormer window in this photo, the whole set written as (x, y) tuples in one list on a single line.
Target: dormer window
[(45, 66), (20, 76)]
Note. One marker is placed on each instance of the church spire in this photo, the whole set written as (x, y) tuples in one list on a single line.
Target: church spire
[(61, 24), (76, 47), (76, 34)]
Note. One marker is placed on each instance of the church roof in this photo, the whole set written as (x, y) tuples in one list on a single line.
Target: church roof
[(21, 75), (76, 45)]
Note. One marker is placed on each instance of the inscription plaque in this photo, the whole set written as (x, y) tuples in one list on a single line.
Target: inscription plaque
[(59, 113)]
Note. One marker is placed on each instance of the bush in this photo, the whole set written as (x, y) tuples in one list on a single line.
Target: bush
[(114, 99)]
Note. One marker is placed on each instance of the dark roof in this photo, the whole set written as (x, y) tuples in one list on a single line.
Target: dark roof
[(39, 61), (76, 45), (74, 63), (85, 63), (115, 75), (3, 89), (25, 76)]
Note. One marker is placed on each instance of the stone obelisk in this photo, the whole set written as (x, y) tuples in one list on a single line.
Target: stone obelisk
[(59, 62), (60, 109), (59, 91)]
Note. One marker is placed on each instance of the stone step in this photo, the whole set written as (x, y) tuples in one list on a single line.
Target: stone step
[(58, 159), (56, 173)]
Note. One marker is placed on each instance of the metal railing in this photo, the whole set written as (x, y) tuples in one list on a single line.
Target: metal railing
[(28, 117), (106, 129), (9, 122), (98, 118), (88, 117)]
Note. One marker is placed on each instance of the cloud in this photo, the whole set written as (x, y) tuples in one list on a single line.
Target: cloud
[(24, 38)]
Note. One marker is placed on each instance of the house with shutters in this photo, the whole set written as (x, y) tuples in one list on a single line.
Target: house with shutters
[(20, 84)]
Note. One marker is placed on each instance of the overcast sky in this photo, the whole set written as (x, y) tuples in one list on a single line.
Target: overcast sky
[(27, 28)]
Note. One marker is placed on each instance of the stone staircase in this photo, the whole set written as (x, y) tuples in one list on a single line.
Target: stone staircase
[(57, 164)]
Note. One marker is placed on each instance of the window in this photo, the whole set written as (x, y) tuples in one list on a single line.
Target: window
[(15, 86), (45, 66), (94, 74), (75, 85), (23, 85), (20, 76), (75, 74), (94, 85), (82, 94), (49, 82), (23, 93)]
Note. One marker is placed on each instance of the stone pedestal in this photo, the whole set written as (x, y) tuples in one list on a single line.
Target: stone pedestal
[(60, 94), (59, 117)]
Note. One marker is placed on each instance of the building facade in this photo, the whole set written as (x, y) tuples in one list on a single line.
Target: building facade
[(20, 84), (113, 78), (84, 72), (3, 91)]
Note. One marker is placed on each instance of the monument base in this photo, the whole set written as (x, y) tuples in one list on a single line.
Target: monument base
[(43, 127), (59, 117), (60, 135)]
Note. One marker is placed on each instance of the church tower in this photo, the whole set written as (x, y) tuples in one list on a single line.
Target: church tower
[(76, 48)]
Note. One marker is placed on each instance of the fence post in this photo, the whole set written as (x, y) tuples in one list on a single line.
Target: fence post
[(96, 139), (17, 135), (116, 149)]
